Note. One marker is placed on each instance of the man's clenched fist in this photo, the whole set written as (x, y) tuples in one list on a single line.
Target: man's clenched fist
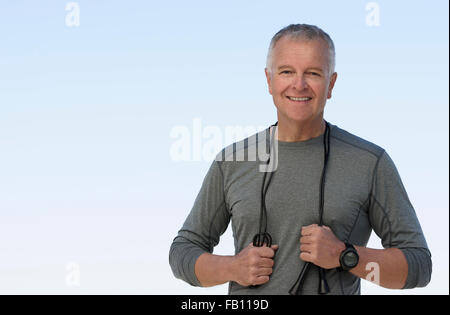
[(319, 245), (253, 265)]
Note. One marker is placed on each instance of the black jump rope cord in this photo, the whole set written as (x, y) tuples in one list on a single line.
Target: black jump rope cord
[(264, 238), (323, 284)]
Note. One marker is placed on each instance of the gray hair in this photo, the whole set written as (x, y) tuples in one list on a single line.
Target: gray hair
[(303, 32)]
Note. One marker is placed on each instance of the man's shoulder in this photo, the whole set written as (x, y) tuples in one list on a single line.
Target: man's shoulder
[(352, 141)]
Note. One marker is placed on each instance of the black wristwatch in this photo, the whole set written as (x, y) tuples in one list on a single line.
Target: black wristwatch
[(349, 258)]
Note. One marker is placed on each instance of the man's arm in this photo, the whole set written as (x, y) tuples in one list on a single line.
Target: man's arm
[(405, 262), (387, 266), (203, 227), (394, 220), (320, 246)]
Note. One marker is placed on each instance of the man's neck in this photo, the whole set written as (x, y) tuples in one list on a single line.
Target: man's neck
[(292, 132)]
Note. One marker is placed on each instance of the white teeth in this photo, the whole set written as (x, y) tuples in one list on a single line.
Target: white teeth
[(299, 98)]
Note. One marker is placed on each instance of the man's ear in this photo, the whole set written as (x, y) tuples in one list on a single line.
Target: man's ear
[(331, 85), (268, 77)]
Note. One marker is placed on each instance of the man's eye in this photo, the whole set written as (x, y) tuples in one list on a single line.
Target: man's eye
[(286, 72), (315, 73)]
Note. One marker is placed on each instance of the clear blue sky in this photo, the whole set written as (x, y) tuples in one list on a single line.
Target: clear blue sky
[(86, 114)]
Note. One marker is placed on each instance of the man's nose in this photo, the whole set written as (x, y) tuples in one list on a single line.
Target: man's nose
[(299, 82)]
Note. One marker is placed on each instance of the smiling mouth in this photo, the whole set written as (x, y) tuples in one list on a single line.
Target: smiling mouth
[(299, 99)]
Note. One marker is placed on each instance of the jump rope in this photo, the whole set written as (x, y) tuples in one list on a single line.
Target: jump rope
[(263, 238)]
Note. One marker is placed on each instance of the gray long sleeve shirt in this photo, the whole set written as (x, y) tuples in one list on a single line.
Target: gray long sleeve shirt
[(363, 192)]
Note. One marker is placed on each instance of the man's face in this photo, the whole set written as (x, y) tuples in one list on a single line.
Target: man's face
[(300, 82)]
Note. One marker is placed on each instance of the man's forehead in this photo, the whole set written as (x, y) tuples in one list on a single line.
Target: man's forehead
[(313, 52), (290, 46)]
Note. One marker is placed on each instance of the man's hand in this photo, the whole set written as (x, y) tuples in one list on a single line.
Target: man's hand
[(253, 265), (319, 245)]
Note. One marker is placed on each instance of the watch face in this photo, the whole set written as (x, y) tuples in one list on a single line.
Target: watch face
[(350, 259)]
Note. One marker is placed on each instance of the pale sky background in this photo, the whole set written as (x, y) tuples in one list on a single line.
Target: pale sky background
[(90, 196)]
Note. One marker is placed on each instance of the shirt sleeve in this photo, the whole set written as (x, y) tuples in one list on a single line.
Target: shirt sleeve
[(394, 220), (201, 231)]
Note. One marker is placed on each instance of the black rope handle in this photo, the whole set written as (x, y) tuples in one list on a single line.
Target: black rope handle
[(261, 239)]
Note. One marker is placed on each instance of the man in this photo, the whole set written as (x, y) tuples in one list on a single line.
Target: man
[(361, 191)]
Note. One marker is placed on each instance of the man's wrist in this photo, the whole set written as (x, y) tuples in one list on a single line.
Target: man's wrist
[(213, 269), (230, 268)]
